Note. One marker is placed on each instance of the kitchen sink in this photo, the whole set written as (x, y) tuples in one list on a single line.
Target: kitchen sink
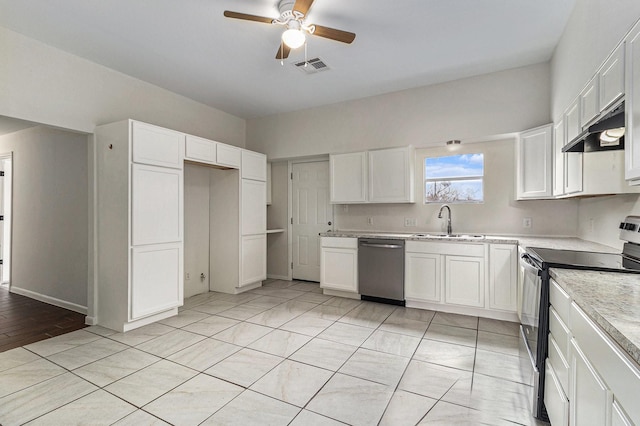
[(451, 237)]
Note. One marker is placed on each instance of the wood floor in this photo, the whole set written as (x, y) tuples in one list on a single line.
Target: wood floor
[(24, 320)]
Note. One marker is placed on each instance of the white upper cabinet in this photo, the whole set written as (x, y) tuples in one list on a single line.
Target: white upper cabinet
[(534, 153), (268, 183), (201, 150), (391, 173), (254, 165), (589, 105), (558, 157), (348, 173), (573, 172), (611, 78), (632, 104), (572, 121), (157, 146), (228, 156)]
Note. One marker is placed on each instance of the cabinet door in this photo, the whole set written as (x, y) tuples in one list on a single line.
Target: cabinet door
[(391, 175), (572, 120), (573, 172), (558, 157), (156, 279), (268, 183), (611, 78), (199, 149), (632, 107), (464, 280), (423, 278), (339, 269), (589, 396), (534, 161), (589, 106), (254, 165), (253, 207), (253, 259), (228, 156), (156, 146), (618, 416), (555, 400), (503, 279), (156, 205), (348, 177)]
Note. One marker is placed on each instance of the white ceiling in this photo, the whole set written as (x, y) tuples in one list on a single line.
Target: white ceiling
[(188, 47)]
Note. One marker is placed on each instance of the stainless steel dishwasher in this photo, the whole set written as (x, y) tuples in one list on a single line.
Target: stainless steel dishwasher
[(381, 270)]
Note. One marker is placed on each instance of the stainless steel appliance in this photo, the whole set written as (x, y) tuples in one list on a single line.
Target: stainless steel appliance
[(534, 299), (381, 270)]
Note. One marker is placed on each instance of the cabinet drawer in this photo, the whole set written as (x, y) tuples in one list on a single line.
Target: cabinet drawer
[(560, 331), (555, 399), (619, 372), (339, 242), (560, 301), (456, 249), (559, 362)]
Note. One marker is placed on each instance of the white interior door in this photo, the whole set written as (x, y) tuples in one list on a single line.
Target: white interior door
[(312, 214), (196, 229)]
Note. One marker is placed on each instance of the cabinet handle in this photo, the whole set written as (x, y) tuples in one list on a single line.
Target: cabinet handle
[(202, 276)]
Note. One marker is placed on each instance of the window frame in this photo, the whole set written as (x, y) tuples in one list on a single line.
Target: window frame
[(427, 180)]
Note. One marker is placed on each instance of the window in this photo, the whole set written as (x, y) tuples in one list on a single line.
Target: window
[(454, 179)]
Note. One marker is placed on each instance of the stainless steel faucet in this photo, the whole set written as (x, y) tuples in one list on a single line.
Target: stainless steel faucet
[(449, 231)]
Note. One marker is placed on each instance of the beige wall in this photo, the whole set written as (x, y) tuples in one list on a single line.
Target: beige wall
[(499, 214), (472, 108), (43, 84), (50, 215)]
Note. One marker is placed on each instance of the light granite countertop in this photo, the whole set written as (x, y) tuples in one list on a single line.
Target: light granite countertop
[(565, 243), (611, 299)]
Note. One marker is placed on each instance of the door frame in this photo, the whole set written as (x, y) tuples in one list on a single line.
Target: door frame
[(290, 163), (7, 236)]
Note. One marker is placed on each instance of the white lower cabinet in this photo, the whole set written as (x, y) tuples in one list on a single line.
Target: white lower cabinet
[(423, 277), (590, 398), (155, 270), (464, 280), (253, 259), (339, 264), (555, 399), (503, 278)]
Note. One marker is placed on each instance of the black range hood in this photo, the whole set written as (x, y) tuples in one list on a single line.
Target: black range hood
[(590, 140)]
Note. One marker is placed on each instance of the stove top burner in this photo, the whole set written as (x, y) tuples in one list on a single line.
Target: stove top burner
[(571, 259)]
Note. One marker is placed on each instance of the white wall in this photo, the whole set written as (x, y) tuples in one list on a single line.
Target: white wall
[(46, 85), (50, 215), (499, 214), (594, 29), (492, 104)]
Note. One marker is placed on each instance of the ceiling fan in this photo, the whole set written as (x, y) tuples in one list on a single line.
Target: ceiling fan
[(292, 16)]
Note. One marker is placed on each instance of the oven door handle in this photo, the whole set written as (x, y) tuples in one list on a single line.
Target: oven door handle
[(526, 263)]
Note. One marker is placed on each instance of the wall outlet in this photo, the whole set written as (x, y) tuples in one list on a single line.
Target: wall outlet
[(410, 221), (369, 221), (345, 208), (527, 222), (591, 225), (188, 276)]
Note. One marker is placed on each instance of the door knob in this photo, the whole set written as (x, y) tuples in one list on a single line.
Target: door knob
[(329, 223), (202, 276)]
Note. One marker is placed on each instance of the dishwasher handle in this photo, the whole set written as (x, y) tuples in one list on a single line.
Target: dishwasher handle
[(386, 246)]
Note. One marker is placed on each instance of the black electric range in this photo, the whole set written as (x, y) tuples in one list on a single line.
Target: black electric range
[(592, 261)]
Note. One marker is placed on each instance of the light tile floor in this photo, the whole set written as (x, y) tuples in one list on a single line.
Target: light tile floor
[(283, 354)]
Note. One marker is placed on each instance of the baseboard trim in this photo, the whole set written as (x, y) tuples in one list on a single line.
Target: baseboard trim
[(91, 320), (48, 299), (278, 277)]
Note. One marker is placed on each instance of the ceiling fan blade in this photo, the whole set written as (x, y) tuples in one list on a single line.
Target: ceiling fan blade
[(283, 51), (333, 34), (247, 17), (303, 6)]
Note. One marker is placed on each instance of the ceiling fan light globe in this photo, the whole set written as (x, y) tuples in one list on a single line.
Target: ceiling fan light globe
[(293, 38)]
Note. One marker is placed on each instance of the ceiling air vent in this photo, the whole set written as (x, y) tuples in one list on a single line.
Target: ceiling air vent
[(313, 66)]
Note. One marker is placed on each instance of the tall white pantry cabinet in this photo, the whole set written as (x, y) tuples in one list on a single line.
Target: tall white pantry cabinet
[(140, 222)]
